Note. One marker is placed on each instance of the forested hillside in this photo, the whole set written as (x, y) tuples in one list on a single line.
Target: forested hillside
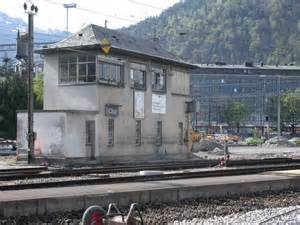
[(233, 31)]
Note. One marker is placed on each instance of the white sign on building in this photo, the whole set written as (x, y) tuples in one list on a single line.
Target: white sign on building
[(139, 108), (158, 103)]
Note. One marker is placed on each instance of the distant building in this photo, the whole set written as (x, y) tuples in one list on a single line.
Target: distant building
[(214, 87), (127, 105)]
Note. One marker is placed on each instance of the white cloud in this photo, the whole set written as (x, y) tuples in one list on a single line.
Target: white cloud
[(119, 13)]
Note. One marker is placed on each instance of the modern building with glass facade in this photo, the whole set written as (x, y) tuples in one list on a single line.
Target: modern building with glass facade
[(214, 87)]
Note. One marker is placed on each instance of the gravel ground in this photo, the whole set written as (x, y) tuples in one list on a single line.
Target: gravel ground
[(289, 215), (217, 210), (253, 152)]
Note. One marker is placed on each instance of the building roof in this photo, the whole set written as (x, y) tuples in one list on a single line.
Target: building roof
[(254, 69), (264, 67), (91, 36)]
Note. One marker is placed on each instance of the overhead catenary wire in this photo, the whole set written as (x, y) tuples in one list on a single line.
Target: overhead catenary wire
[(96, 12), (146, 5)]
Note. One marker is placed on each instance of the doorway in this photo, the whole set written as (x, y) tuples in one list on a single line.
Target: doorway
[(90, 139)]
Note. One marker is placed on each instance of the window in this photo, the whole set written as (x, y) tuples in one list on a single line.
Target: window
[(138, 76), (181, 138), (138, 130), (77, 69), (159, 133), (111, 72), (110, 132), (158, 80)]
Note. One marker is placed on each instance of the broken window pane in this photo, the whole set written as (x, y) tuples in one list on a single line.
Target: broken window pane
[(159, 80)]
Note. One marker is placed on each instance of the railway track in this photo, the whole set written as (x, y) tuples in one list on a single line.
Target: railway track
[(44, 172), (142, 178)]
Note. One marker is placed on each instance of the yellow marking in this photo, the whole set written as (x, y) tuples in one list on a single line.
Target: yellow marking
[(105, 45)]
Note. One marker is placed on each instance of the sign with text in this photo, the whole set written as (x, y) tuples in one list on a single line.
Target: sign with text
[(139, 105), (158, 103), (111, 110)]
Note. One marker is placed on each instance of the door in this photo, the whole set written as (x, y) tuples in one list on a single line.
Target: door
[(90, 139)]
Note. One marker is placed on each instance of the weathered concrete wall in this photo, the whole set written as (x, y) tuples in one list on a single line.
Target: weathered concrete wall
[(76, 134), (125, 133), (64, 96), (51, 132), (96, 96)]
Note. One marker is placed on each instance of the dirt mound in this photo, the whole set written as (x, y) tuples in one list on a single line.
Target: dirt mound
[(206, 145)]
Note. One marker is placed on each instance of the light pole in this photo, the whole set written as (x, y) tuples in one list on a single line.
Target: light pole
[(68, 6), (262, 111), (31, 11), (278, 110)]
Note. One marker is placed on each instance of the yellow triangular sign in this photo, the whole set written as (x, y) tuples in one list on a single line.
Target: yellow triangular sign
[(105, 45)]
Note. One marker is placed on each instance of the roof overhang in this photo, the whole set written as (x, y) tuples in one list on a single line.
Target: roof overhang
[(117, 50)]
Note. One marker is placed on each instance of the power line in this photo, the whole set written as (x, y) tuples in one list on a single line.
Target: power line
[(95, 12), (144, 4), (107, 15)]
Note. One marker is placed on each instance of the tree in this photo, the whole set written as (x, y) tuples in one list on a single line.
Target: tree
[(290, 109), (38, 90), (233, 31), (235, 113), (13, 96)]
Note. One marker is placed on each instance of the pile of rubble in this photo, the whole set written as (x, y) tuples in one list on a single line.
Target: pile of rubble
[(206, 146)]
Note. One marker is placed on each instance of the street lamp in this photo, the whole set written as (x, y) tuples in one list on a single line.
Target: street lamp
[(262, 111), (68, 6), (278, 110)]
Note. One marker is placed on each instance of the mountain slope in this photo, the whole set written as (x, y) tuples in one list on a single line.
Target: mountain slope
[(10, 26), (232, 31)]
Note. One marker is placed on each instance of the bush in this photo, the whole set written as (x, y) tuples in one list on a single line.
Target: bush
[(254, 141)]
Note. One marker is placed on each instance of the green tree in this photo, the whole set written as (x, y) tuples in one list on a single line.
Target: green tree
[(13, 96), (38, 90), (235, 113), (290, 109), (233, 31)]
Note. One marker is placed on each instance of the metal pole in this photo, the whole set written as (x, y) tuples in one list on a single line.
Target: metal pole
[(67, 22), (67, 6), (263, 108), (278, 110), (30, 91)]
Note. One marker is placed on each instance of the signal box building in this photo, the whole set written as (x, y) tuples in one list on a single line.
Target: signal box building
[(128, 104)]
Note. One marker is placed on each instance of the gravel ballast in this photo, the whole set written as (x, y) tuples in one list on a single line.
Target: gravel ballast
[(250, 209)]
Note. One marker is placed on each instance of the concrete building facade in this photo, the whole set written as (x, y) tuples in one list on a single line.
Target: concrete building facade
[(126, 105)]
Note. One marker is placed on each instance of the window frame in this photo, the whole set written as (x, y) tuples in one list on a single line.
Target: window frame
[(139, 67), (154, 71), (68, 62), (138, 132), (181, 133), (159, 133), (110, 61), (110, 132)]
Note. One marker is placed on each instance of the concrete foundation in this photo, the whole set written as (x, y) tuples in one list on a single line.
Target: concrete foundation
[(44, 201)]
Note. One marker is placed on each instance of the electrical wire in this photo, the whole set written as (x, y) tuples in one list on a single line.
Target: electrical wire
[(95, 12), (146, 5)]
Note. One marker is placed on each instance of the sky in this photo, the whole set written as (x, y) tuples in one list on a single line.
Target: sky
[(119, 13)]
